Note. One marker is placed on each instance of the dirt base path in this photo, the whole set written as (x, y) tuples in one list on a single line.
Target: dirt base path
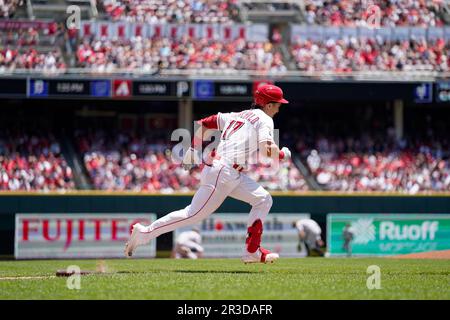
[(444, 254)]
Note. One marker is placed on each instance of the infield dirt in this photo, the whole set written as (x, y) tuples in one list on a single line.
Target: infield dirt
[(443, 254)]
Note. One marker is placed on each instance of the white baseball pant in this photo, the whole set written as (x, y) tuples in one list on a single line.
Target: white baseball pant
[(217, 183), (311, 239)]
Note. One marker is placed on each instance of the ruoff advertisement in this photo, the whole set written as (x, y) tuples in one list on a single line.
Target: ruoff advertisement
[(44, 236), (223, 235), (388, 234)]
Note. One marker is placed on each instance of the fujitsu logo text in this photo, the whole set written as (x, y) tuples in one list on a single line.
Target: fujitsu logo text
[(75, 230)]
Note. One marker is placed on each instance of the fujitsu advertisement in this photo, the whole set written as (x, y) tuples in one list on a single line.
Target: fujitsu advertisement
[(45, 236)]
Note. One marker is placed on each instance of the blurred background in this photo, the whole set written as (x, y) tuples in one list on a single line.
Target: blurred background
[(90, 92)]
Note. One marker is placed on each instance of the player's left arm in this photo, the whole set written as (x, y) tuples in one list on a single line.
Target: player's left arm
[(271, 150), (266, 144)]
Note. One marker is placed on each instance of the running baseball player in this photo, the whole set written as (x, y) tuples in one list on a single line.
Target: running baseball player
[(243, 135), (188, 245)]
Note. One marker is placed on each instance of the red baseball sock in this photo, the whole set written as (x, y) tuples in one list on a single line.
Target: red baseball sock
[(254, 235)]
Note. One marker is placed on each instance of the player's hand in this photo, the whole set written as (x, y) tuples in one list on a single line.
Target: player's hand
[(287, 153), (191, 159)]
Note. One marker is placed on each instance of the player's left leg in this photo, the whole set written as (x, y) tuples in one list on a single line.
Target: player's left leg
[(261, 201), (216, 183)]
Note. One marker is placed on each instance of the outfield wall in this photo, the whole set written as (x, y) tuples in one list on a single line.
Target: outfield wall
[(316, 204)]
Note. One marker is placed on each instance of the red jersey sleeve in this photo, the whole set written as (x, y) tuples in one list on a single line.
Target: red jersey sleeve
[(209, 122)]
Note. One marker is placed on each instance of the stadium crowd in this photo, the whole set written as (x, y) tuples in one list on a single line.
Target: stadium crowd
[(12, 58), (361, 54), (423, 13), (103, 56), (32, 48), (33, 162), (172, 11), (125, 161), (21, 37), (378, 164)]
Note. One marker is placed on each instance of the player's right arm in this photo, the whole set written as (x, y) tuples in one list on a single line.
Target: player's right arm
[(193, 155)]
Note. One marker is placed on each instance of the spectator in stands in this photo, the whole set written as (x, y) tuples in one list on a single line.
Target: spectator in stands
[(277, 38), (171, 11), (391, 13), (271, 5), (8, 8)]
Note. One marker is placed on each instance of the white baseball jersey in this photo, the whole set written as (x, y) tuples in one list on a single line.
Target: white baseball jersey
[(312, 232), (308, 226), (241, 134)]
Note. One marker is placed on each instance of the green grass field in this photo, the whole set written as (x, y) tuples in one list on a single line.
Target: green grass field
[(288, 279)]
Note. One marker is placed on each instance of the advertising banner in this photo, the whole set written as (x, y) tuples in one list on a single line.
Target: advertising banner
[(253, 32), (69, 87), (223, 235), (37, 88), (388, 234), (45, 236), (161, 88), (233, 89), (121, 88), (13, 87), (423, 93), (204, 89), (443, 92), (101, 88)]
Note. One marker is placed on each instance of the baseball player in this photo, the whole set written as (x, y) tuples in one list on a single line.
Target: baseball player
[(309, 233), (243, 134), (348, 235), (188, 244)]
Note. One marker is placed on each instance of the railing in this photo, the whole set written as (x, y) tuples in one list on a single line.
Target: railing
[(269, 1), (233, 74)]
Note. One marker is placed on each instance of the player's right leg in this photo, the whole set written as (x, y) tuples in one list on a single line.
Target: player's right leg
[(216, 183), (254, 194)]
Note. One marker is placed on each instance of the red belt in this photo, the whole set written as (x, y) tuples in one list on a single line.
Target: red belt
[(238, 167)]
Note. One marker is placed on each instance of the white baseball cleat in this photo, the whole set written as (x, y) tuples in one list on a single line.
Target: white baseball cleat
[(261, 255), (131, 245)]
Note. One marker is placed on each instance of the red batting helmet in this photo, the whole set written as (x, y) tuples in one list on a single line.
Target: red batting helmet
[(268, 93)]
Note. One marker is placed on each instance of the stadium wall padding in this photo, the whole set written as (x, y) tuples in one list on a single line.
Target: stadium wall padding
[(318, 205)]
